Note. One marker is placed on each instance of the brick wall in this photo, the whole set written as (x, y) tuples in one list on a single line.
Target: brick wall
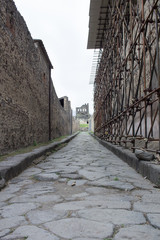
[(24, 86)]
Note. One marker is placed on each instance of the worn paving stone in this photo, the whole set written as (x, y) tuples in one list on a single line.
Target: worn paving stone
[(4, 232), (140, 193), (66, 169), (17, 209), (146, 207), (154, 219), (70, 176), (76, 205), (11, 222), (118, 202), (46, 177), (43, 166), (115, 204), (30, 233), (11, 189), (72, 228), (41, 188), (143, 184), (80, 195), (92, 175), (76, 182), (152, 197), (62, 180), (40, 216), (109, 200), (30, 171), (113, 184), (20, 182), (86, 238), (100, 190), (114, 216), (99, 169), (6, 196), (138, 233), (47, 198)]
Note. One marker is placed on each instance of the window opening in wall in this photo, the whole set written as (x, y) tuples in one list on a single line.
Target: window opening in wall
[(62, 102), (44, 77)]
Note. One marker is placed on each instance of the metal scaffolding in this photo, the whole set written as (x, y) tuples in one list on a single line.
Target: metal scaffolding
[(127, 74)]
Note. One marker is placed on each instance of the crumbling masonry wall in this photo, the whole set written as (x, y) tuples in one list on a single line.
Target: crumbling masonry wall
[(24, 87), (83, 112)]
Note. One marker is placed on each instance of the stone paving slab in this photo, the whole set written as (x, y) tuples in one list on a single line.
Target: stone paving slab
[(81, 192), (148, 169), (79, 227), (30, 233), (12, 166), (154, 219), (115, 216), (138, 233)]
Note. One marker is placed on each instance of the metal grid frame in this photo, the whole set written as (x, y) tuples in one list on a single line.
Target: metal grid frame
[(127, 77)]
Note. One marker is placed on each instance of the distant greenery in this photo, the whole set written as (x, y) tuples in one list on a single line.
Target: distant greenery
[(34, 143), (30, 148), (83, 125), (116, 179)]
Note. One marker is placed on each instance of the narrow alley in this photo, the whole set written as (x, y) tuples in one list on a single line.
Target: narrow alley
[(81, 192)]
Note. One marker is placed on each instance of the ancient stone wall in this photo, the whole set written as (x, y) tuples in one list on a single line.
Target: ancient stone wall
[(83, 112), (75, 125), (24, 86), (61, 119)]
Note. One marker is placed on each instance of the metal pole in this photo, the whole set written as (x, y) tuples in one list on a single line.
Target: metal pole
[(144, 73), (158, 68)]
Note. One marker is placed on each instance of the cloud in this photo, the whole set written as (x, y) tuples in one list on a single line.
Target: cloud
[(63, 27)]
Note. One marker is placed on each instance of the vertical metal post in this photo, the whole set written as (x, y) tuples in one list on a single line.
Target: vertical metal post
[(132, 76), (125, 83), (158, 68), (150, 69), (140, 92), (144, 74)]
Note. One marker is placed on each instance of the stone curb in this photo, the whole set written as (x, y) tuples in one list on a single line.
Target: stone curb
[(13, 166), (147, 169)]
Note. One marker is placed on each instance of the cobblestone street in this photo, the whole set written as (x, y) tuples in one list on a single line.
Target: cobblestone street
[(81, 192)]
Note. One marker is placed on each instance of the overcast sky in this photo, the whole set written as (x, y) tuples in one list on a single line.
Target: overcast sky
[(62, 25)]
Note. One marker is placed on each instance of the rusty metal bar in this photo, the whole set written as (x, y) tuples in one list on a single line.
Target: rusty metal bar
[(158, 67), (127, 80)]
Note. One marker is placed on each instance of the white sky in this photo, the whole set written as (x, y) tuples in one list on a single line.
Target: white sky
[(62, 25)]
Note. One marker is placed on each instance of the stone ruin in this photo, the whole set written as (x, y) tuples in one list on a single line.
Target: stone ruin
[(82, 113)]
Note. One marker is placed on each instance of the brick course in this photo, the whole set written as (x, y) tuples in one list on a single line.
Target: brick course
[(24, 86)]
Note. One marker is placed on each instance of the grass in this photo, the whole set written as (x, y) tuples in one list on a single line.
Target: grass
[(84, 125), (91, 132), (34, 143), (59, 139), (29, 148), (116, 179)]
